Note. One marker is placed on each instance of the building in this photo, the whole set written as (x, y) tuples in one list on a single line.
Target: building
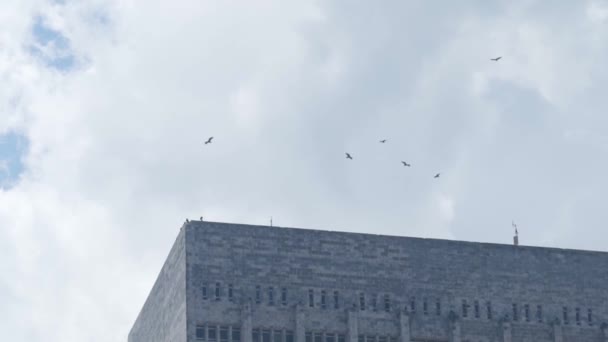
[(240, 283)]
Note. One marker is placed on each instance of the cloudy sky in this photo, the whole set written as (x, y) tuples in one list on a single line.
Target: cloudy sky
[(105, 104)]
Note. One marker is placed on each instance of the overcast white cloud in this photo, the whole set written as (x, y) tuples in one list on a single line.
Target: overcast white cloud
[(112, 101)]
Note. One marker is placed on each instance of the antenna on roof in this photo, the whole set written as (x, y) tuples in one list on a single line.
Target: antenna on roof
[(271, 221), (516, 237)]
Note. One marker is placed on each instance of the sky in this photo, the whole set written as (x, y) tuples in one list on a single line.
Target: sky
[(105, 105)]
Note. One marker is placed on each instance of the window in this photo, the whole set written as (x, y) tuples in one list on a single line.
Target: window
[(212, 333), (200, 332), (265, 335), (515, 313), (318, 337), (336, 300), (539, 313), (361, 338), (258, 294), (370, 338), (256, 335), (387, 303), (578, 316), (382, 339), (527, 312), (465, 308), (341, 338), (590, 316), (230, 293), (311, 298), (223, 334), (438, 307), (375, 302), (217, 291), (284, 296), (289, 336), (489, 310), (565, 315), (308, 337), (236, 334), (362, 301), (425, 306), (323, 300), (204, 291), (413, 304), (330, 338), (270, 295), (476, 308), (277, 336)]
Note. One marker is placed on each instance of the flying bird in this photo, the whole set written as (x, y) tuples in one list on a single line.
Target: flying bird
[(495, 59), (383, 141), (348, 156), (437, 175), (208, 141), (405, 164)]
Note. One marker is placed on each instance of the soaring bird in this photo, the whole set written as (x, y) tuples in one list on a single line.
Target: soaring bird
[(383, 141), (208, 141), (405, 164), (348, 156), (495, 59), (437, 175)]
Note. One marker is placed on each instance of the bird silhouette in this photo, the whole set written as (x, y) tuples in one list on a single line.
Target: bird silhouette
[(495, 59), (383, 141), (208, 141), (437, 175), (348, 156), (405, 164)]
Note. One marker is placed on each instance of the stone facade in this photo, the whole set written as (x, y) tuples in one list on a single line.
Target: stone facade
[(244, 283)]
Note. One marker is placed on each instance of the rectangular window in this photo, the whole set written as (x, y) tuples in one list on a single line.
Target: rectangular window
[(527, 312), (270, 295), (362, 301), (256, 335), (330, 338), (425, 306), (236, 334), (284, 296), (318, 337), (375, 302), (223, 334), (361, 338), (476, 307), (438, 307), (258, 294), (308, 337), (204, 291), (289, 336), (387, 303), (277, 336), (590, 316), (539, 313), (565, 315), (515, 312), (465, 308), (489, 310), (341, 338), (413, 304), (392, 339), (578, 316), (370, 338), (217, 291), (212, 333), (200, 332), (336, 300), (323, 300), (311, 298), (382, 339), (230, 293), (265, 335)]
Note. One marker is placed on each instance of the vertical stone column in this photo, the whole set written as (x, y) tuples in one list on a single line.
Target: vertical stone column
[(506, 331), (455, 333), (300, 319), (404, 327), (558, 335), (353, 326), (246, 323)]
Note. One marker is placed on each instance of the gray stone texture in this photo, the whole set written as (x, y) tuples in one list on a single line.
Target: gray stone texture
[(450, 273)]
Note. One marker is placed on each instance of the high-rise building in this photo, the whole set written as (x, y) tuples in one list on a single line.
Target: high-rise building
[(240, 283)]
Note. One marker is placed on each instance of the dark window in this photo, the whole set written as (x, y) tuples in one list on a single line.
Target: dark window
[(277, 336), (258, 294), (489, 310), (370, 338), (217, 291), (318, 337), (361, 338), (323, 300), (362, 301), (271, 296), (223, 334), (425, 306), (265, 335), (289, 336), (382, 339), (308, 337), (375, 302), (336, 300), (200, 332), (256, 335), (212, 334), (590, 316), (204, 291), (476, 307), (527, 312), (438, 307), (311, 298), (565, 315), (230, 293), (341, 338), (387, 303), (578, 316), (465, 308), (284, 296), (539, 313), (413, 304), (515, 312), (236, 334), (392, 339), (330, 338)]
